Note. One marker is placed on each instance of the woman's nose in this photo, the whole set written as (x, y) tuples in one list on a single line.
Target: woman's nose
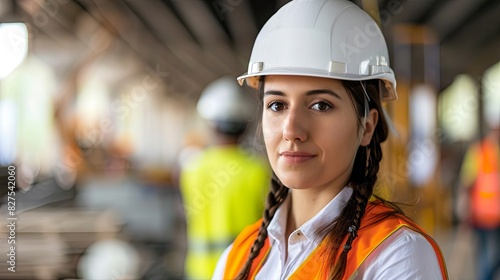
[(294, 128)]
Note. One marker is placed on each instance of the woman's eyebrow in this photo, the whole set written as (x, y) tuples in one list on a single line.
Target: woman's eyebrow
[(274, 92), (308, 93), (324, 91)]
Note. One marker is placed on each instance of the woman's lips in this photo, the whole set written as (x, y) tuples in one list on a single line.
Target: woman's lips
[(295, 157)]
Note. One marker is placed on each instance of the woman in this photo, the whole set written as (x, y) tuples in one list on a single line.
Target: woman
[(321, 67)]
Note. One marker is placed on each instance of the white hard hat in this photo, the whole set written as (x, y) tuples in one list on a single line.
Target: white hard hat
[(109, 259), (322, 38), (224, 101)]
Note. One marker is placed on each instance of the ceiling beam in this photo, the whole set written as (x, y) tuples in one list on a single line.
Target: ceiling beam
[(443, 23), (162, 23), (210, 34), (131, 30), (405, 11), (244, 29), (473, 13)]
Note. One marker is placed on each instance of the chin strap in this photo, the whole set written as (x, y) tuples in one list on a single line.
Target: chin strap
[(367, 99), (388, 119), (390, 124)]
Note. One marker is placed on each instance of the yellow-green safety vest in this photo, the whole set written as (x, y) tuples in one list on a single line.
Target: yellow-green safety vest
[(223, 191)]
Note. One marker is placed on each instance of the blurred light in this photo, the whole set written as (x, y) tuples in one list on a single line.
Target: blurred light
[(459, 109), (491, 99), (92, 103), (423, 110), (13, 46), (8, 115), (94, 127), (31, 88), (423, 150)]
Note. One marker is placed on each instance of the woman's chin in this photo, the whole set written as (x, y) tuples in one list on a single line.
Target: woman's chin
[(299, 183)]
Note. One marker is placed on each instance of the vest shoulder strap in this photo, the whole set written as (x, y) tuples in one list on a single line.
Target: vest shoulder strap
[(375, 228), (241, 250)]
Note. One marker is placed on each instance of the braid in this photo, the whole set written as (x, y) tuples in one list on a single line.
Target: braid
[(362, 181), (355, 209), (275, 197)]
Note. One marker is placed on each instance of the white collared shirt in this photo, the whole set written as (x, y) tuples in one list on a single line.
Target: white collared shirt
[(404, 255)]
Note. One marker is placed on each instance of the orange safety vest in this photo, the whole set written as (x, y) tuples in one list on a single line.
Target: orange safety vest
[(369, 237), (485, 194)]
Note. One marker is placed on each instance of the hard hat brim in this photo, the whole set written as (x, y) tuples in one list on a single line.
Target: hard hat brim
[(387, 88)]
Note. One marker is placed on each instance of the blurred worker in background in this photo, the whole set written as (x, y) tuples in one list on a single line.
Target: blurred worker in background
[(479, 199), (224, 188)]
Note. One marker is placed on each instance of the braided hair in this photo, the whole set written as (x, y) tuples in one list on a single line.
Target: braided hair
[(275, 197), (362, 180)]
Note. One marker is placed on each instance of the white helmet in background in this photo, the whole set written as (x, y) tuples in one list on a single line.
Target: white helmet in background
[(322, 38), (109, 259), (227, 105)]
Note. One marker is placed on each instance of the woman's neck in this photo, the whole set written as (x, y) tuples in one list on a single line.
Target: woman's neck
[(305, 204)]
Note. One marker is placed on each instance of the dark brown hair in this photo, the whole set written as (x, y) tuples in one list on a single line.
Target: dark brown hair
[(362, 180)]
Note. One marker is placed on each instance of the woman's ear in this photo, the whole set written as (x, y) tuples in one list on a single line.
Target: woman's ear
[(369, 128)]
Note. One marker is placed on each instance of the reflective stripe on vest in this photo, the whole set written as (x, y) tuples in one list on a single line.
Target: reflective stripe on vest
[(370, 236), (206, 246)]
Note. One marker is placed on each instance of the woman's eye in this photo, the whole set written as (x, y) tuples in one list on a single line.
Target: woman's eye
[(321, 106), (276, 106)]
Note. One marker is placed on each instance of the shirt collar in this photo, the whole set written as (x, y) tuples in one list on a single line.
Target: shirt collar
[(330, 212)]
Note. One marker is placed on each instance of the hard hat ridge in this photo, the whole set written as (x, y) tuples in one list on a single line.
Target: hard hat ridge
[(322, 38)]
